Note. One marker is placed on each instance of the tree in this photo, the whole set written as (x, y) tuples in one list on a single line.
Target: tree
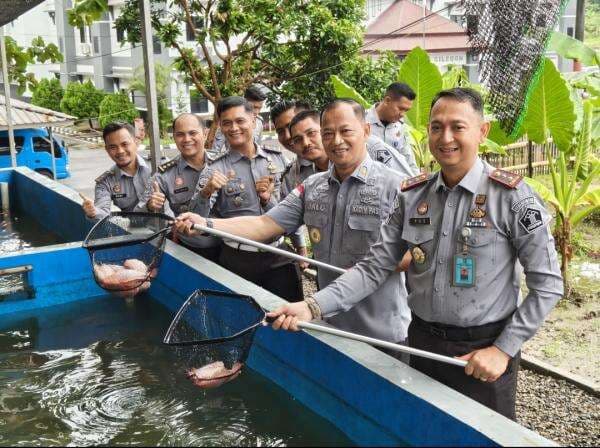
[(48, 93), (18, 58), (82, 100), (290, 46), (162, 74), (116, 107)]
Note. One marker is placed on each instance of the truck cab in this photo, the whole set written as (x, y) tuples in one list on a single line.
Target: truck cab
[(32, 146)]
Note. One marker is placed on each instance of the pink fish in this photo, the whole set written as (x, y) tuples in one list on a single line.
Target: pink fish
[(214, 374), (136, 265)]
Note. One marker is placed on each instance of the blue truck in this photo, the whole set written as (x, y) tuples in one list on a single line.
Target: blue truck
[(33, 151)]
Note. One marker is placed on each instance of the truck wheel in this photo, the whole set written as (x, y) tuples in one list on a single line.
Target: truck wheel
[(46, 173)]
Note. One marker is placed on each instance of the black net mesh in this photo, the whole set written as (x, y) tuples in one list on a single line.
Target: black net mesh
[(215, 326), (510, 36), (125, 249)]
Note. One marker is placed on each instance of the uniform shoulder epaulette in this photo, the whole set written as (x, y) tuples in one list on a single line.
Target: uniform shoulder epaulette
[(103, 176), (413, 182), (213, 156), (165, 166), (506, 178), (272, 149)]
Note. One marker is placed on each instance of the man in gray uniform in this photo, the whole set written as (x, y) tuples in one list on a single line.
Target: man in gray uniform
[(246, 181), (256, 98), (171, 189), (386, 120), (466, 227), (124, 184), (343, 209)]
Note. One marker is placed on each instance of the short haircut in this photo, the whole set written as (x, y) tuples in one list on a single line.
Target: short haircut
[(117, 126), (284, 106), (397, 90), (359, 110), (233, 101), (303, 116), (254, 93), (462, 95), (187, 114)]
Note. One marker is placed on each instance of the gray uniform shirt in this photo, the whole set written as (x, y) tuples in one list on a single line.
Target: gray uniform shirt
[(394, 134), (239, 197), (220, 141), (384, 153), (116, 186), (343, 221), (516, 228), (177, 180)]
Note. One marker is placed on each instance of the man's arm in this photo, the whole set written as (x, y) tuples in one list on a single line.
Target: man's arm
[(102, 200), (256, 228)]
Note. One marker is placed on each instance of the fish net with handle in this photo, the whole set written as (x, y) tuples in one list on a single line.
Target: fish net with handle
[(510, 36), (125, 249), (215, 326)]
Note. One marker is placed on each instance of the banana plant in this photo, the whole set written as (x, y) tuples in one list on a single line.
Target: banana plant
[(572, 194)]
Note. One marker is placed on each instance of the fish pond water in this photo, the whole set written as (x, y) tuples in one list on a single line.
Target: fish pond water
[(95, 372), (19, 231)]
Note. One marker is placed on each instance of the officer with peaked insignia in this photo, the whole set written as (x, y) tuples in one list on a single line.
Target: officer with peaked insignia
[(246, 181), (467, 228), (343, 209), (172, 187), (124, 184)]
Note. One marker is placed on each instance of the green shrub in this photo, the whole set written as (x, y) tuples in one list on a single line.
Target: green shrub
[(48, 93), (117, 107), (82, 100)]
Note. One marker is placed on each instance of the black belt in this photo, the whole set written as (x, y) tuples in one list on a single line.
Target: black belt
[(453, 333)]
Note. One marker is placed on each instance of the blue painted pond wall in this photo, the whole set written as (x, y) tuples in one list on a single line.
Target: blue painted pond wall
[(373, 398)]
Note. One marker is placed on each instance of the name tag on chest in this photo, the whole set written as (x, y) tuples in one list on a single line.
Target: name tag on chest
[(181, 190), (419, 221), (118, 195)]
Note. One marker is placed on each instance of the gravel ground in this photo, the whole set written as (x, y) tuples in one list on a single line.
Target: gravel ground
[(553, 408)]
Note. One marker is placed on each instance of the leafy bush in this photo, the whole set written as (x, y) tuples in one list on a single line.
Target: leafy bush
[(48, 93), (117, 107), (82, 100)]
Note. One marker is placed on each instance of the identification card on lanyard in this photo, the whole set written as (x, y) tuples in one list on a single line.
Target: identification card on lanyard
[(463, 266)]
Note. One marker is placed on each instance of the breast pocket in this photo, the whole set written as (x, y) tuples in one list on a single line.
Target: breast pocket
[(316, 224), (361, 234), (234, 194), (421, 245), (481, 244)]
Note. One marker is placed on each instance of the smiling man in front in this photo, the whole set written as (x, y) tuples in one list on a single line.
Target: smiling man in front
[(466, 227)]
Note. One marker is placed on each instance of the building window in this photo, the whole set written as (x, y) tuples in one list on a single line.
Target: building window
[(198, 25), (570, 31), (156, 45), (80, 78), (96, 45), (120, 35), (116, 85), (198, 104)]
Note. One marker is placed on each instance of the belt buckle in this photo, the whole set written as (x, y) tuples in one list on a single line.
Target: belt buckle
[(439, 332)]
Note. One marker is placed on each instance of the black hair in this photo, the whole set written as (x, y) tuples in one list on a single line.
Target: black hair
[(358, 109), (231, 102), (254, 93), (285, 105), (117, 126), (303, 116), (462, 95), (397, 90), (187, 114)]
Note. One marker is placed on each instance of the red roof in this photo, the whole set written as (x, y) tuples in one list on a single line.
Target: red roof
[(404, 19)]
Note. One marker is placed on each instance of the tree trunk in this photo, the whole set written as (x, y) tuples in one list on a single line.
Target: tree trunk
[(580, 20), (210, 138)]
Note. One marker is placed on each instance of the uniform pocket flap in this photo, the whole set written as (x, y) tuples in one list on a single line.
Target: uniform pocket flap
[(364, 223), (478, 237), (417, 236), (316, 219)]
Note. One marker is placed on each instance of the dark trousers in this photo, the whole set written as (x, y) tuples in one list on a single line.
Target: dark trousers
[(499, 395), (275, 273), (211, 253)]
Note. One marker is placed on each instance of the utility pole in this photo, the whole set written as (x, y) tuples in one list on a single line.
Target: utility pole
[(151, 97), (6, 82), (579, 29)]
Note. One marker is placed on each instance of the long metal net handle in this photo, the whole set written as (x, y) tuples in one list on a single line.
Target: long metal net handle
[(267, 248)]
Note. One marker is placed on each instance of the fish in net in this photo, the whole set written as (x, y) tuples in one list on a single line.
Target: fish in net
[(510, 37), (125, 249), (212, 334)]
